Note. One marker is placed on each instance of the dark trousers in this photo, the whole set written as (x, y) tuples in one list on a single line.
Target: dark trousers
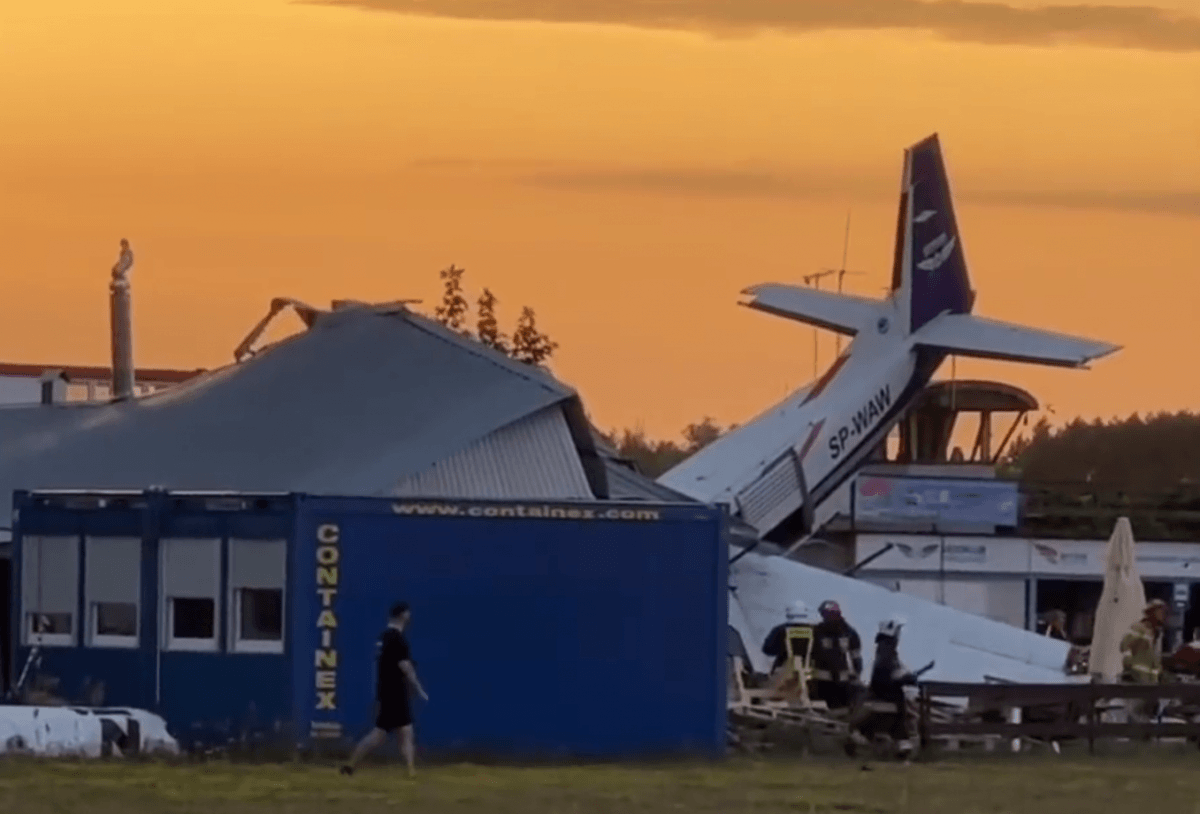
[(835, 694), (895, 724), (879, 715)]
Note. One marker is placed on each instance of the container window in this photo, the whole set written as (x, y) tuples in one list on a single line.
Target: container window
[(191, 574), (49, 590), (193, 618), (113, 583), (257, 574)]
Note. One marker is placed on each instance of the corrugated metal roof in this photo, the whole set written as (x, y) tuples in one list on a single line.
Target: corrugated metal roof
[(626, 484), (534, 457), (353, 405)]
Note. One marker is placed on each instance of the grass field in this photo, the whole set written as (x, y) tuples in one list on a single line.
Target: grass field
[(1002, 784)]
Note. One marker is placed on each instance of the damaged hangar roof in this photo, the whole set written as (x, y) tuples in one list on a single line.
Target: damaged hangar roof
[(625, 482), (362, 399)]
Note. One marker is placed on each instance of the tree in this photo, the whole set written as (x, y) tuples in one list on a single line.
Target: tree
[(652, 458), (698, 436), (530, 345), (454, 308), (487, 326)]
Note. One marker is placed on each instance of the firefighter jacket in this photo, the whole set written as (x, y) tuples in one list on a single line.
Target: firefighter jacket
[(889, 676), (837, 655), (775, 644), (1141, 654)]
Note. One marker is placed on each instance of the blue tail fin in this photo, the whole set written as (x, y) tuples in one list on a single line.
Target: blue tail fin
[(930, 267), (931, 299)]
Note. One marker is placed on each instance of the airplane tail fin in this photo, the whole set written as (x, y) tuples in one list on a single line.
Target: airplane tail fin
[(929, 272), (931, 297)]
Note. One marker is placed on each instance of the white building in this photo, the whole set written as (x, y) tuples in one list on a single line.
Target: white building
[(1013, 579), (34, 384)]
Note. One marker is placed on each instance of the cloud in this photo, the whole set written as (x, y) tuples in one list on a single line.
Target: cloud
[(696, 182), (1166, 202), (451, 163), (994, 23), (733, 183), (767, 182)]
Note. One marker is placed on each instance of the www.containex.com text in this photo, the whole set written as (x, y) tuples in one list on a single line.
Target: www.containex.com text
[(533, 510)]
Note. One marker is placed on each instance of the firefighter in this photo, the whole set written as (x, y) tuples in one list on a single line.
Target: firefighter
[(1054, 625), (1141, 647), (1141, 652), (887, 708), (775, 645), (837, 658)]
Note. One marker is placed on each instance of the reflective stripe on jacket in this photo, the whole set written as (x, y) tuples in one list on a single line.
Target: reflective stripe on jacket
[(1140, 655), (837, 652)]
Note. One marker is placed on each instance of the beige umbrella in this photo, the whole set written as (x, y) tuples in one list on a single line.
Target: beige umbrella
[(1122, 603)]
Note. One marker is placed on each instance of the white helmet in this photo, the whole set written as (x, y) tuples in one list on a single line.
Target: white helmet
[(797, 612), (891, 627)]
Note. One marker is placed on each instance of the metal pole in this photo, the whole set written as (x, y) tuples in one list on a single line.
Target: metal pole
[(842, 271), (121, 325), (815, 281)]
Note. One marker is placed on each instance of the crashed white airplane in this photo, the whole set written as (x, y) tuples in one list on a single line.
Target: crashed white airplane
[(775, 470)]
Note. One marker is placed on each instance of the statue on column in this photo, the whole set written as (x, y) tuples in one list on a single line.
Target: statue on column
[(120, 271)]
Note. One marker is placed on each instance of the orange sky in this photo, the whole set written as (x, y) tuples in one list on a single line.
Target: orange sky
[(626, 182)]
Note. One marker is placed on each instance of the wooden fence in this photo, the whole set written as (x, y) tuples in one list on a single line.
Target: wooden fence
[(1060, 711)]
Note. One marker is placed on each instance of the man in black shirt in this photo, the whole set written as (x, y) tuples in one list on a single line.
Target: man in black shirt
[(395, 674)]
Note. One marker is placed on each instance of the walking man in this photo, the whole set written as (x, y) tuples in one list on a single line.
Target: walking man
[(393, 708)]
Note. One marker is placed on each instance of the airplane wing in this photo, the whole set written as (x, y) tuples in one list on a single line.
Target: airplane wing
[(968, 335), (843, 313)]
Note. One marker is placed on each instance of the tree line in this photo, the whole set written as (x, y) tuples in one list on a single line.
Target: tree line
[(1156, 455)]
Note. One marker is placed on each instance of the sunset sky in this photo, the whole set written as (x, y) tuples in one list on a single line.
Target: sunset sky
[(624, 171)]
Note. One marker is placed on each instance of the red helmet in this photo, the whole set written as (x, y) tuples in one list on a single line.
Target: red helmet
[(829, 609)]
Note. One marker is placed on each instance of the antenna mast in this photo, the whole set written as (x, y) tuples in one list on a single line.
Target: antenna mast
[(842, 272), (815, 281)]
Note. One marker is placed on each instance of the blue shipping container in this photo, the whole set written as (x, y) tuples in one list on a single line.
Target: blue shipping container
[(593, 629)]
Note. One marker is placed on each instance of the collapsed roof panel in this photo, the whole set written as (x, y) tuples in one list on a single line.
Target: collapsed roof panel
[(353, 405)]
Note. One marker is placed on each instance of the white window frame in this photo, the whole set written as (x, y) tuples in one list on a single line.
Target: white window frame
[(28, 636), (95, 639), (167, 605), (234, 593), (33, 639), (240, 645)]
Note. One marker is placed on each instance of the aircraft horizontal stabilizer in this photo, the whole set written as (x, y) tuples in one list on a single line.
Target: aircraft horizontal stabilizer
[(969, 335), (843, 313)]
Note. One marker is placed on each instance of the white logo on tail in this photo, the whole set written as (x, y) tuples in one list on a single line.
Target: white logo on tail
[(925, 215), (937, 252)]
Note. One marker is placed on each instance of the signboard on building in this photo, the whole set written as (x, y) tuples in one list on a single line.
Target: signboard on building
[(1067, 557), (1041, 558), (935, 501), (928, 553)]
